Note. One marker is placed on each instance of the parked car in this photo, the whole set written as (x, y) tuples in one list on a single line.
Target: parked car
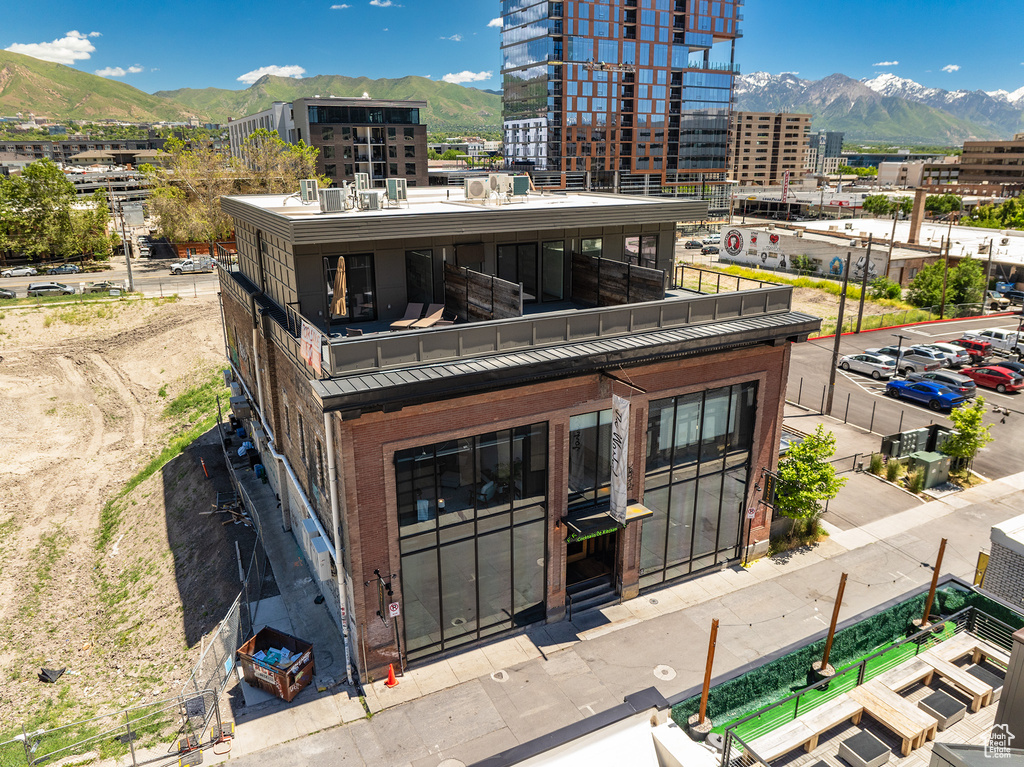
[(958, 355), (978, 350), (995, 377), (935, 396), (911, 360), (5, 293), (708, 250), (50, 289), (1016, 367), (955, 382), (996, 300), (1015, 297), (19, 271), (693, 245), (1004, 340), (949, 359), (102, 287), (64, 269), (712, 239), (874, 365)]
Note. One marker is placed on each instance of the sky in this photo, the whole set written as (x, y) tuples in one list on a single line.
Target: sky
[(946, 44)]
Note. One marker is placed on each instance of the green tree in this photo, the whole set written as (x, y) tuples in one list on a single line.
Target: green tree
[(846, 170), (35, 212), (883, 287), (807, 479), (965, 284), (943, 204), (1008, 215), (90, 226), (970, 434), (450, 154), (883, 205)]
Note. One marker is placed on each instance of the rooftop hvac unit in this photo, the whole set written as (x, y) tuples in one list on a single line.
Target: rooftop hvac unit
[(320, 558), (369, 200), (1005, 241), (477, 188), (308, 189), (848, 226), (499, 182), (398, 190), (362, 181), (240, 407), (332, 200), (520, 186)]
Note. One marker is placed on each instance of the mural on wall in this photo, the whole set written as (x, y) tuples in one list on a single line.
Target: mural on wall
[(775, 250)]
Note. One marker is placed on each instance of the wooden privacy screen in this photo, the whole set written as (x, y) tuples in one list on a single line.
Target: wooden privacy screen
[(474, 297), (603, 282)]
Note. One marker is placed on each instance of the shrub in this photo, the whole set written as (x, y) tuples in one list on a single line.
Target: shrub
[(915, 481), (876, 464), (892, 470)]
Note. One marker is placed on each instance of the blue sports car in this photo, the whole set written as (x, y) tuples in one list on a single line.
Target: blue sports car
[(933, 395)]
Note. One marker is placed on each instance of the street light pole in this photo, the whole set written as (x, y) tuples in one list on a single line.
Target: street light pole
[(899, 349), (838, 337), (127, 248)]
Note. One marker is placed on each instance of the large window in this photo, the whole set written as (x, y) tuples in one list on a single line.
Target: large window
[(471, 515), (590, 448), (698, 465), (350, 291)]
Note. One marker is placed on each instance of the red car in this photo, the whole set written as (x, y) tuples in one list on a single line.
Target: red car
[(994, 377), (978, 350)]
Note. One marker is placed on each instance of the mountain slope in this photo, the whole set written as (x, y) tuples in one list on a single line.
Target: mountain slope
[(62, 93), (840, 103), (448, 105)]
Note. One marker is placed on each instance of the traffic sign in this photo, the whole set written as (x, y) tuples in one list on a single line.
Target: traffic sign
[(393, 610)]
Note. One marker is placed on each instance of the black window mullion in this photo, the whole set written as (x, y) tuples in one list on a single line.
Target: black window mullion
[(440, 551), (671, 484), (728, 442), (697, 476)]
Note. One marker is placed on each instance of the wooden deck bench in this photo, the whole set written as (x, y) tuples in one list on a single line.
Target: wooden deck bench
[(956, 648), (907, 673), (980, 692), (781, 741), (828, 715), (895, 713)]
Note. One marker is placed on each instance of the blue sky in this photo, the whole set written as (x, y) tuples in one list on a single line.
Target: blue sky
[(161, 46)]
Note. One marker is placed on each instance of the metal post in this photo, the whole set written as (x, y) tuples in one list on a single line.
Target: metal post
[(800, 390), (835, 619), (718, 285), (824, 390), (900, 428), (892, 241), (988, 269), (935, 582), (838, 337), (871, 428), (864, 284), (707, 671), (846, 417), (945, 280), (128, 732)]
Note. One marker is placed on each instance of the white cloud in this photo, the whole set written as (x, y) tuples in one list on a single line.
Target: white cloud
[(951, 68), (495, 23), (454, 38), (466, 77), (292, 70), (74, 46), (385, 4), (119, 71), (886, 64), (341, 7)]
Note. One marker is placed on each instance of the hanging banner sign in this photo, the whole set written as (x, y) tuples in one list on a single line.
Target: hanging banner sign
[(311, 347), (620, 458), (785, 186)]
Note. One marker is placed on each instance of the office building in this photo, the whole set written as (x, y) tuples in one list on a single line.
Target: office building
[(626, 96), (462, 469), (764, 147), (828, 145), (381, 138), (997, 164)]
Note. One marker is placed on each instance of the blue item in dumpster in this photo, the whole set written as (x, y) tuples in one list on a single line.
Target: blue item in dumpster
[(240, 432)]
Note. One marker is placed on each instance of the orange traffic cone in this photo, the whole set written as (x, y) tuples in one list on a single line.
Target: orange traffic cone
[(392, 682)]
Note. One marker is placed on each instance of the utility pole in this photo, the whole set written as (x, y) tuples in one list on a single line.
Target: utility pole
[(838, 338), (117, 206), (864, 283), (945, 280), (988, 269), (892, 241)]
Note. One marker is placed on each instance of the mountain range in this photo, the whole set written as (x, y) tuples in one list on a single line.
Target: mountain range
[(886, 107)]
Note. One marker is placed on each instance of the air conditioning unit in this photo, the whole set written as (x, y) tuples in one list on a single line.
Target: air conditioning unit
[(520, 186), (362, 181), (320, 558), (308, 189), (240, 407), (398, 190), (499, 182), (369, 200), (309, 533), (771, 227), (332, 200), (848, 227), (1004, 241), (477, 188)]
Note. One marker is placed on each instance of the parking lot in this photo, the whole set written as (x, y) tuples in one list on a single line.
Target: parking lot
[(860, 400)]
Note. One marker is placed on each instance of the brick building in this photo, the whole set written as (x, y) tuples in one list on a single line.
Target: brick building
[(463, 470), (999, 164), (765, 146)]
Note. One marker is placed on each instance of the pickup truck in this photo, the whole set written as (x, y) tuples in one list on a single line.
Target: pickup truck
[(1004, 340), (911, 359), (193, 265)]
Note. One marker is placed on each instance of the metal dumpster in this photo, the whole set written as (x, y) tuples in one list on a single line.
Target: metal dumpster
[(264, 666)]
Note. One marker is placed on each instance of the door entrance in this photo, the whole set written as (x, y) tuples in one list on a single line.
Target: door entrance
[(591, 558)]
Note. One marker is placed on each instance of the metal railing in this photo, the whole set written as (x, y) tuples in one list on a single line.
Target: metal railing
[(709, 281)]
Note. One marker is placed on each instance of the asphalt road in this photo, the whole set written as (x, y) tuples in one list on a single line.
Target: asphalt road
[(861, 401), (151, 277)]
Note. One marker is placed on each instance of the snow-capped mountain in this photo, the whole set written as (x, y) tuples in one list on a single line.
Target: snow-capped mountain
[(1013, 97), (887, 107)]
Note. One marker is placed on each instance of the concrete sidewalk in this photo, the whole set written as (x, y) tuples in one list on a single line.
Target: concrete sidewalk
[(486, 700)]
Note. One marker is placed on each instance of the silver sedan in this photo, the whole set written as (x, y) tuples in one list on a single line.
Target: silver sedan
[(874, 365)]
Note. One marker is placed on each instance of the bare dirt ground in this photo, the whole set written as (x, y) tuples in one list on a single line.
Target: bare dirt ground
[(121, 596)]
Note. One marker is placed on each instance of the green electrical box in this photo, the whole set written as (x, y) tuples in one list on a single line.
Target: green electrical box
[(934, 465)]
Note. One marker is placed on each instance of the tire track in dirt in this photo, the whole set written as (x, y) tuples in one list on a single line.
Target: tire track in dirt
[(115, 378)]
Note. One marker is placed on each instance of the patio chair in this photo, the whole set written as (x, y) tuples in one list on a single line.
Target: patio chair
[(434, 314), (412, 314)]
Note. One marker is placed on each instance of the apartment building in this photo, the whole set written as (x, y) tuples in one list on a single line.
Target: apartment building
[(827, 151), (994, 163), (381, 138), (120, 151), (434, 389), (628, 96), (764, 147)]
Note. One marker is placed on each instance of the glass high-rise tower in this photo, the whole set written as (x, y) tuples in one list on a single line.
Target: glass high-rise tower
[(626, 95)]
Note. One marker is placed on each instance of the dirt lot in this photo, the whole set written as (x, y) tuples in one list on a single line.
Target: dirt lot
[(118, 586)]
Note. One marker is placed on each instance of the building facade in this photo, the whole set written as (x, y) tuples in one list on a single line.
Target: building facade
[(829, 145), (121, 150), (626, 96), (384, 139), (764, 147), (463, 471), (994, 163)]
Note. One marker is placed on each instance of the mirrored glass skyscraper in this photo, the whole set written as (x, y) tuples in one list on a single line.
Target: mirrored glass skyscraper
[(624, 95)]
